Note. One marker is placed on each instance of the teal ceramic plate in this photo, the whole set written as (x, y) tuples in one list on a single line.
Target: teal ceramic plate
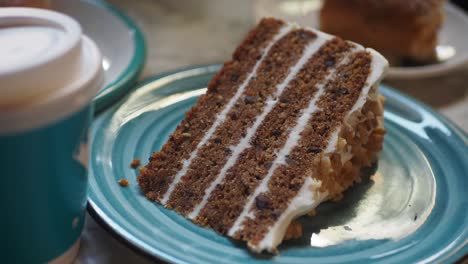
[(413, 208), (122, 45)]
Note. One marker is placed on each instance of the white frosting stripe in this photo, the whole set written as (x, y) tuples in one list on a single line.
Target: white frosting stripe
[(291, 142), (378, 67), (307, 199), (221, 117), (270, 104)]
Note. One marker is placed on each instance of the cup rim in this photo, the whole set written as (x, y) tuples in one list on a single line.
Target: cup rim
[(25, 16), (61, 103)]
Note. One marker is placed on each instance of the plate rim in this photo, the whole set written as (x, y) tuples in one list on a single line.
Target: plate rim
[(112, 227), (125, 81)]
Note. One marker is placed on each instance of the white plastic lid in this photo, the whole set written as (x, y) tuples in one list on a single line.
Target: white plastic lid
[(46, 62)]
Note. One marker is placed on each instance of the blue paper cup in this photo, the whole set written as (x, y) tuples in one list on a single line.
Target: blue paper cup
[(46, 90)]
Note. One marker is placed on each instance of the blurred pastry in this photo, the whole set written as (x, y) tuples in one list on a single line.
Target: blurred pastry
[(25, 3), (402, 30)]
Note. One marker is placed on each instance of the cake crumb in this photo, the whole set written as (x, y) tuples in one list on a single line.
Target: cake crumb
[(123, 182), (151, 195), (135, 163), (294, 231)]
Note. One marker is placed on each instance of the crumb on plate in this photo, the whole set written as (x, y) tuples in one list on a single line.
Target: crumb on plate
[(123, 182), (135, 163)]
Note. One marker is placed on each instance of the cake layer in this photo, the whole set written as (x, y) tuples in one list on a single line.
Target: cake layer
[(219, 150), (193, 129), (291, 130), (308, 139), (228, 199)]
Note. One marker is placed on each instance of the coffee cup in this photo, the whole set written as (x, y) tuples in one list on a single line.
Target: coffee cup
[(49, 74)]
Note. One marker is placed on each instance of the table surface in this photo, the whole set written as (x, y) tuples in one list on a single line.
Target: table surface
[(185, 33)]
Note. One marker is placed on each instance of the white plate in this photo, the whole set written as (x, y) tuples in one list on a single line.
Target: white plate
[(453, 33), (119, 39)]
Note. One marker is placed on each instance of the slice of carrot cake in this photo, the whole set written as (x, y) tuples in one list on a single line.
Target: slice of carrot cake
[(285, 125)]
